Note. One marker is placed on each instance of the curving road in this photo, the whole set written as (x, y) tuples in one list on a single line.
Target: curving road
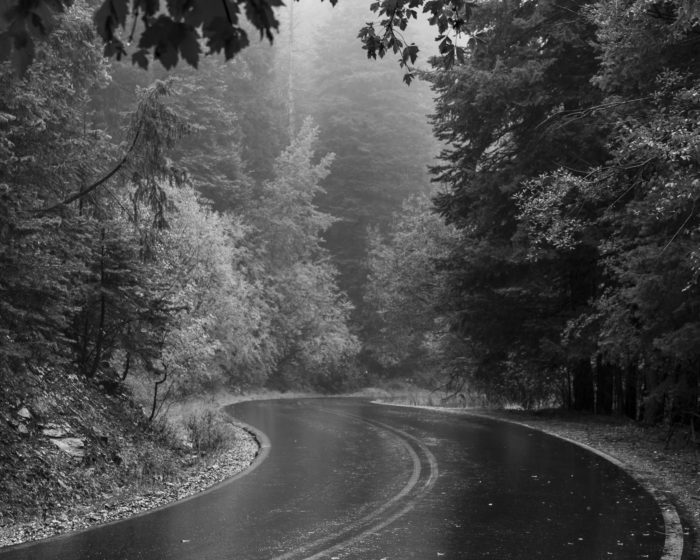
[(346, 479)]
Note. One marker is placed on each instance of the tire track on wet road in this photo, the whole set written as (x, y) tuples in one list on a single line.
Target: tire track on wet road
[(424, 474)]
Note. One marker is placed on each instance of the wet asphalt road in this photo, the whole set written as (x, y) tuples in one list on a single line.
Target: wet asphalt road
[(346, 479)]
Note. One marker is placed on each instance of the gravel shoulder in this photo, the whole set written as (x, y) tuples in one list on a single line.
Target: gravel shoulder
[(672, 468), (135, 500), (72, 510)]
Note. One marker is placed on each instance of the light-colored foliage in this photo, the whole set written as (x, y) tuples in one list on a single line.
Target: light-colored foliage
[(406, 286), (113, 262)]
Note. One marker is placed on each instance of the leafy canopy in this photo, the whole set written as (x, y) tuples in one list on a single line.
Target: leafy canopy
[(178, 28), (165, 32)]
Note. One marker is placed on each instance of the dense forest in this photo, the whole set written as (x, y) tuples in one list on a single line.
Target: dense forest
[(175, 229), (564, 268), (266, 218), (163, 226)]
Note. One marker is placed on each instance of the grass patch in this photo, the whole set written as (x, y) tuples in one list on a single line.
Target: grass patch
[(208, 432), (402, 392)]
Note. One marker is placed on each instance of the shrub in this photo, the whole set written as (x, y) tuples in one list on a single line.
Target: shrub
[(156, 463), (207, 432)]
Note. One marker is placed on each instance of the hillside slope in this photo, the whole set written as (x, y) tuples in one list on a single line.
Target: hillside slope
[(75, 452)]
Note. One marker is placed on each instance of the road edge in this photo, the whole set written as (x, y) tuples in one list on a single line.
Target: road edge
[(673, 528), (260, 438)]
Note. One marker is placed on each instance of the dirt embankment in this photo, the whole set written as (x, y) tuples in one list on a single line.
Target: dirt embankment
[(74, 453)]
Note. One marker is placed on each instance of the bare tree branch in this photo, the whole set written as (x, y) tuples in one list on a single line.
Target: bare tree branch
[(83, 192)]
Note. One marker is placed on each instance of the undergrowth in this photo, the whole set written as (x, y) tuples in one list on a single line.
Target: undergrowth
[(208, 432)]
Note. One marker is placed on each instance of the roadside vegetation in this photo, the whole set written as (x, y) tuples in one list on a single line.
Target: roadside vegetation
[(76, 455), (555, 263)]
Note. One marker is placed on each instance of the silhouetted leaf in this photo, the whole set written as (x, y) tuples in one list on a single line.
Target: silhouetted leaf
[(140, 58)]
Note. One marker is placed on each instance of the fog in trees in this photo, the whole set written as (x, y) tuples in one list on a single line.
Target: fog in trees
[(288, 215)]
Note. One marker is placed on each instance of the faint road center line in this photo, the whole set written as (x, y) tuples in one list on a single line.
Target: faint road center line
[(416, 472)]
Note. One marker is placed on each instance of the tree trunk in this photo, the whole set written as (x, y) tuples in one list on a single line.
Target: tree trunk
[(619, 391), (604, 386), (155, 395), (103, 307), (695, 389), (654, 398), (290, 73), (83, 352), (583, 395), (631, 404), (127, 364)]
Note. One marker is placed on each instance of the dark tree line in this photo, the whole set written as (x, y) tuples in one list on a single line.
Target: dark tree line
[(570, 173)]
